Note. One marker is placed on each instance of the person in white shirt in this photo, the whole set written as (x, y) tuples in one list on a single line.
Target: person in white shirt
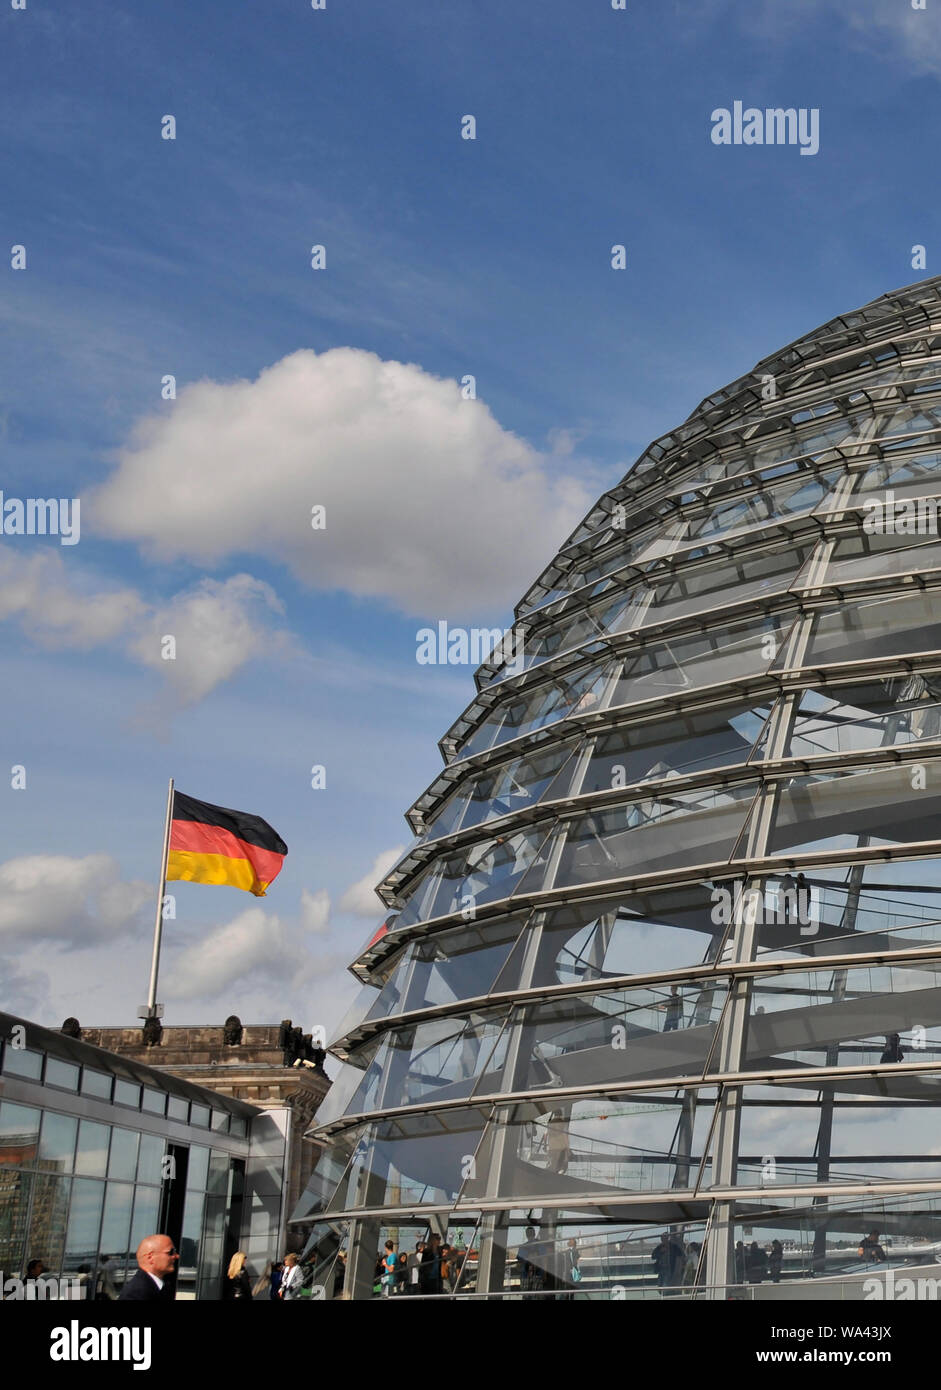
[(291, 1279)]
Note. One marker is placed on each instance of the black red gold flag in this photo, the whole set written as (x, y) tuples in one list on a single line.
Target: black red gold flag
[(211, 844)]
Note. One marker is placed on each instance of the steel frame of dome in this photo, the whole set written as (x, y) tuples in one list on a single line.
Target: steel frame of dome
[(603, 994)]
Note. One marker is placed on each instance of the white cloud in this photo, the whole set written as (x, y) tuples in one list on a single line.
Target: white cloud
[(254, 943), (218, 625), (315, 912), (361, 897), (25, 992), (254, 947), (898, 31), (53, 605), (430, 503), (76, 901), (894, 32)]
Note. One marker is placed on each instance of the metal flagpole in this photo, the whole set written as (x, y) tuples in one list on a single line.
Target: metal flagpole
[(150, 1009)]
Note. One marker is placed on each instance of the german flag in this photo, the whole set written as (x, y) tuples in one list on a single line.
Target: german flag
[(210, 844)]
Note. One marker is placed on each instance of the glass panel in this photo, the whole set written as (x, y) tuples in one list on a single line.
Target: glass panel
[(620, 1035), (22, 1061), (699, 587), (190, 1241), (116, 1222), (871, 1015), (92, 1155), (64, 1074), (853, 719), (595, 563), (19, 1135), (237, 1126), (14, 1207), (155, 1102), (819, 437), (220, 1121), (441, 1058), (574, 627), (788, 498), (146, 1211), (450, 815), (199, 1114), (126, 1093), (209, 1271), (864, 557), (123, 1160), (178, 1108), (332, 1162), (842, 1236), (386, 982), (553, 1149), (81, 1246), (613, 1260), (46, 1240), (57, 1144), (218, 1183), (150, 1159), (909, 419), (682, 745), (885, 906), (627, 936), (666, 831), (704, 658), (395, 976), (484, 873), (853, 809), (502, 790), (533, 879), (870, 628), (361, 1081), (534, 709), (851, 1130), (96, 1083), (914, 477), (198, 1169), (461, 963), (411, 1160), (351, 1077)]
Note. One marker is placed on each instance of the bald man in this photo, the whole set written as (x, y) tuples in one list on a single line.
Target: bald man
[(156, 1261)]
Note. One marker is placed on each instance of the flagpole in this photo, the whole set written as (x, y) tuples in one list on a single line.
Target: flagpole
[(158, 923)]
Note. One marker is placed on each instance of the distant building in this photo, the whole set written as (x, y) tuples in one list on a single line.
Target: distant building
[(272, 1066), (99, 1148)]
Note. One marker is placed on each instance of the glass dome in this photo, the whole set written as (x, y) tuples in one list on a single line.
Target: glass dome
[(659, 983)]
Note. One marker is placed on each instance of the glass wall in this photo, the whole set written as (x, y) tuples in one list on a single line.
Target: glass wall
[(90, 1163)]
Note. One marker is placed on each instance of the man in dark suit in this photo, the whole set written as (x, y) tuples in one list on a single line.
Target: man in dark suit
[(156, 1260)]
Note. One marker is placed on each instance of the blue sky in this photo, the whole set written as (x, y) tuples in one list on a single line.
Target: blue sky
[(490, 257)]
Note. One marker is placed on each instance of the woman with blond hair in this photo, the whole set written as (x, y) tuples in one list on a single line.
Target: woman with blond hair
[(291, 1280), (237, 1283)]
